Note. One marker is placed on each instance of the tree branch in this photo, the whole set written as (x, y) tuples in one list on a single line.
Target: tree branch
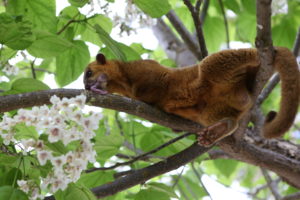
[(174, 48), (271, 184), (196, 18), (184, 34), (245, 151), (225, 23)]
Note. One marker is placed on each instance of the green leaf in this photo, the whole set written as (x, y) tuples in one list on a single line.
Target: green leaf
[(226, 166), (108, 146), (10, 193), (284, 33), (40, 13), (89, 34), (96, 178), (48, 45), (246, 27), (75, 192), (8, 160), (111, 44), (78, 3), (163, 188), (25, 132), (154, 8), (232, 5), (24, 85), (215, 34), (71, 63), (130, 54), (10, 176), (249, 6), (6, 54), (15, 33), (150, 194)]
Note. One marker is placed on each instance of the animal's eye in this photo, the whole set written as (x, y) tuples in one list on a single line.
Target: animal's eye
[(88, 74)]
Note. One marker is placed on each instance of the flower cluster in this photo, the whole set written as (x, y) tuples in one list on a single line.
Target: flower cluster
[(10, 70), (63, 122)]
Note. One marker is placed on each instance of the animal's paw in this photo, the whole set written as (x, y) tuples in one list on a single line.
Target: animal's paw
[(212, 134)]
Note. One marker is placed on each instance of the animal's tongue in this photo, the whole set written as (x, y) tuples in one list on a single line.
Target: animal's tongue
[(99, 91)]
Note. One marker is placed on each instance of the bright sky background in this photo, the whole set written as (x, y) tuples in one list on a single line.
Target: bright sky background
[(216, 190)]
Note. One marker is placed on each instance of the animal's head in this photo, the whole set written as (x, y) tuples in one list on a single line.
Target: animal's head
[(98, 74)]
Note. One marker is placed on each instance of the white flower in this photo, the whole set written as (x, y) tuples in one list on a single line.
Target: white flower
[(10, 70), (59, 161), (55, 134), (43, 156), (23, 185)]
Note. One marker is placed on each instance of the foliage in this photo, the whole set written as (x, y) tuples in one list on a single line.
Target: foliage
[(35, 41)]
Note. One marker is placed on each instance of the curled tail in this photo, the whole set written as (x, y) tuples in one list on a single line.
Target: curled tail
[(277, 124)]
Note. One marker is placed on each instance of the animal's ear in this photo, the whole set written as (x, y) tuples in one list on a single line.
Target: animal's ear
[(100, 58)]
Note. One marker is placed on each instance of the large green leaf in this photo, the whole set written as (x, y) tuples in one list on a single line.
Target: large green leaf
[(214, 34), (8, 160), (40, 13), (75, 192), (226, 166), (284, 33), (90, 35), (130, 54), (23, 85), (150, 194), (78, 3), (111, 44), (108, 146), (10, 193), (25, 132), (6, 54), (71, 63), (246, 27), (154, 8), (96, 178), (48, 45), (15, 33)]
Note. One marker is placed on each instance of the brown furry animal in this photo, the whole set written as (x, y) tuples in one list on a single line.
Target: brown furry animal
[(218, 91)]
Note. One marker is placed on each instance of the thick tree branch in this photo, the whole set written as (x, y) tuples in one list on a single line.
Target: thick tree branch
[(245, 151)]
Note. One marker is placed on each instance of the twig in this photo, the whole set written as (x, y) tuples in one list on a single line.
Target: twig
[(200, 180), (73, 21), (271, 184), (142, 155), (204, 11), (295, 196), (196, 18), (225, 23), (184, 34), (33, 69), (178, 177), (296, 49), (39, 69)]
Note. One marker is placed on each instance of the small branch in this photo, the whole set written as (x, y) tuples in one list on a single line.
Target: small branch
[(142, 155), (204, 11), (295, 196), (296, 49), (178, 177), (33, 69), (39, 69), (195, 15), (73, 21), (200, 180), (184, 34), (225, 23), (271, 184)]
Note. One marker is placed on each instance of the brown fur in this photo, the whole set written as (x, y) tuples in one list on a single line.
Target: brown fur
[(219, 87)]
